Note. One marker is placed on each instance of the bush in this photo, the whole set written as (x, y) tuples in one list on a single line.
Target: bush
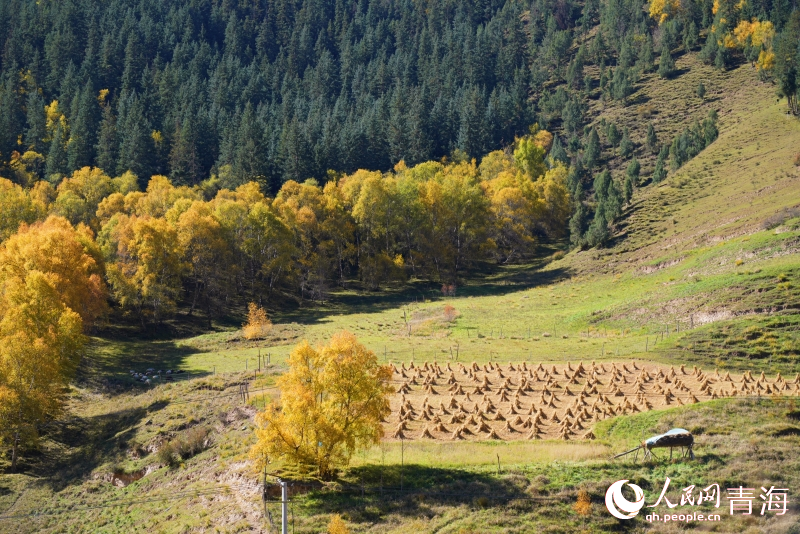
[(258, 324), (192, 442), (337, 525), (166, 454)]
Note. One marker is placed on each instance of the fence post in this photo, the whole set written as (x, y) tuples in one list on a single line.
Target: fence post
[(284, 507)]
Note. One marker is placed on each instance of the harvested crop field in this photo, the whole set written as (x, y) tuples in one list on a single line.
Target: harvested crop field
[(538, 401)]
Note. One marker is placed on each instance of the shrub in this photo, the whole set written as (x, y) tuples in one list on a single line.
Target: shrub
[(450, 313), (192, 442), (337, 525), (166, 454), (258, 324)]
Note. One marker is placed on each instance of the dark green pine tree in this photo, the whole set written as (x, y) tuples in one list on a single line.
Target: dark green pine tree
[(397, 125), (419, 146), (557, 152), (690, 36), (652, 140), (625, 144), (472, 132), (598, 233), (36, 129), (710, 131), (577, 225), (666, 65), (249, 161), (184, 161), (677, 151), (701, 90), (612, 134), (83, 128), (613, 200), (633, 170), (12, 119), (646, 56), (626, 55), (591, 154), (293, 152), (709, 52), (134, 62), (575, 70), (601, 184), (106, 148), (575, 179), (135, 141), (621, 84), (56, 166), (628, 190), (660, 172)]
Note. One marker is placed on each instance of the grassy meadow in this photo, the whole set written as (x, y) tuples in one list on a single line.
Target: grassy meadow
[(704, 270)]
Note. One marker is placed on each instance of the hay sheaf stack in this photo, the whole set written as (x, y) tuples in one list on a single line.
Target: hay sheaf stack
[(561, 401)]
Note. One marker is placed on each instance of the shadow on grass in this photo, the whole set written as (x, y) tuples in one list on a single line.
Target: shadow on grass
[(108, 361), (485, 279), (369, 490), (81, 444)]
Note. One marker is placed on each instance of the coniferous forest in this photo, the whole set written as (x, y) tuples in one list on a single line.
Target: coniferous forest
[(277, 90), (434, 134)]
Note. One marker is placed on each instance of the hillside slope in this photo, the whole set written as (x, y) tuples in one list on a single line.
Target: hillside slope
[(712, 251)]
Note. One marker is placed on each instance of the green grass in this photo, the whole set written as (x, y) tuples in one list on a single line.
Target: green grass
[(700, 252)]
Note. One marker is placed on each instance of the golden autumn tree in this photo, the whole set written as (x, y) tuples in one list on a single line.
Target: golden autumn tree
[(51, 288), (202, 239), (81, 194), (337, 525), (145, 264), (333, 399), (258, 324), (16, 207), (661, 10)]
